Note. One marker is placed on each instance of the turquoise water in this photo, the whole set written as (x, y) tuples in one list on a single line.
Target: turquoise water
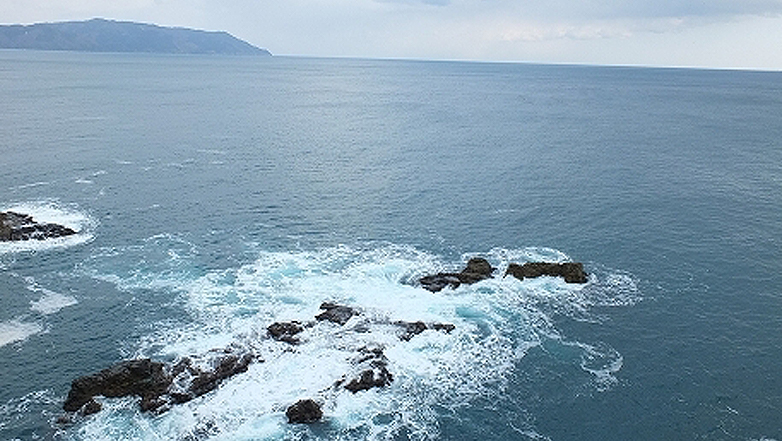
[(216, 195)]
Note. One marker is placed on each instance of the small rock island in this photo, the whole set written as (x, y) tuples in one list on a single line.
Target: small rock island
[(18, 227)]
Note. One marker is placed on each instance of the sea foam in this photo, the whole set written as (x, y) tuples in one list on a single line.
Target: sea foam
[(497, 321)]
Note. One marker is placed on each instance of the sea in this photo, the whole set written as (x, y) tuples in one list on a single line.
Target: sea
[(216, 195)]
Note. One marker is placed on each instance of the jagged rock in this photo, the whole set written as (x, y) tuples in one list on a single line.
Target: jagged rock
[(190, 381), (477, 269), (304, 411), (572, 272), (372, 368), (143, 378), (411, 329), (91, 407), (17, 227), (157, 384), (285, 331), (339, 314)]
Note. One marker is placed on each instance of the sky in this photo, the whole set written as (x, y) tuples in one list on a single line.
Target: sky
[(745, 34)]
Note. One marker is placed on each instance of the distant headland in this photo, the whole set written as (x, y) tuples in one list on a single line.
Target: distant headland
[(101, 35)]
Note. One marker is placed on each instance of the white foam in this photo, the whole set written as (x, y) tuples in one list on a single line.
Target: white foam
[(51, 302), (497, 322), (16, 330), (51, 212)]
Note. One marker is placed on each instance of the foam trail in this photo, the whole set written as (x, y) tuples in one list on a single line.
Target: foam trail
[(16, 330)]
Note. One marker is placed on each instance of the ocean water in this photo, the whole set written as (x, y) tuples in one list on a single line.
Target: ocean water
[(216, 195)]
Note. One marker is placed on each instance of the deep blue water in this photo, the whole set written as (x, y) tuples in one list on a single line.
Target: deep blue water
[(216, 195)]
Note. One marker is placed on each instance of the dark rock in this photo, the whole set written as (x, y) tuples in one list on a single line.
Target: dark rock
[(91, 407), (572, 272), (439, 281), (143, 378), (285, 331), (17, 227), (477, 269), (204, 430), (336, 313), (411, 329), (304, 411), (193, 382), (447, 327), (157, 384), (372, 368)]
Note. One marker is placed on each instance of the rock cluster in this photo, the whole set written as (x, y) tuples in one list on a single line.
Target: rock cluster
[(17, 227), (479, 269), (159, 385)]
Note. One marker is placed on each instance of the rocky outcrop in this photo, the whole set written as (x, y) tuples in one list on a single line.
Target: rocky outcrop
[(157, 384), (160, 385), (411, 329), (285, 331), (143, 378), (17, 227), (193, 377), (304, 411), (371, 371), (572, 272), (338, 314), (477, 269)]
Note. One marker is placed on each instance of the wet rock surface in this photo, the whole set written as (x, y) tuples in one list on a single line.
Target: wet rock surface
[(477, 269), (335, 313), (18, 227), (304, 412), (371, 371), (285, 331), (163, 385), (159, 385), (572, 272), (411, 329)]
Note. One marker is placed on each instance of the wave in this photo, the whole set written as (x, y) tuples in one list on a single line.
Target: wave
[(56, 213), (497, 322)]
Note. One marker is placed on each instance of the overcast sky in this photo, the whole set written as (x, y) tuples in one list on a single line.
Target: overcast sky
[(704, 33)]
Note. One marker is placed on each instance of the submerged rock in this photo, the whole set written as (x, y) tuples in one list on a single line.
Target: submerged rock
[(572, 272), (304, 411), (477, 269), (18, 227)]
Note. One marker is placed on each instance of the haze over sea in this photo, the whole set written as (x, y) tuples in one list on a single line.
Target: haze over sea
[(216, 195)]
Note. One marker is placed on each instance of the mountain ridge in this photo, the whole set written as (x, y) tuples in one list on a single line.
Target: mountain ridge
[(104, 35)]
